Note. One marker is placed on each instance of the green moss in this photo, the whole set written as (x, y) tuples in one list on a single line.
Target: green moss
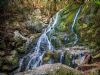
[(87, 26), (12, 60), (97, 2), (20, 49), (55, 56), (97, 56), (94, 72), (64, 71), (67, 59), (47, 57), (56, 43), (61, 27)]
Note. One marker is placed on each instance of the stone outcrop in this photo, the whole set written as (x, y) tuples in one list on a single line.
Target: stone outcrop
[(51, 69)]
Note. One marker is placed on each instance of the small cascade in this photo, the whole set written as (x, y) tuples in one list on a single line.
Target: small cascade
[(35, 58), (73, 25), (61, 57), (51, 61), (78, 55)]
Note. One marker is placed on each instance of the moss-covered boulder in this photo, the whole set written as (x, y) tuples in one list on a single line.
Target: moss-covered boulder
[(52, 69), (93, 72)]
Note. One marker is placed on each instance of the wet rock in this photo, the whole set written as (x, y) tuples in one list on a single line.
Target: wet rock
[(47, 56), (50, 57), (87, 58), (51, 69), (53, 57)]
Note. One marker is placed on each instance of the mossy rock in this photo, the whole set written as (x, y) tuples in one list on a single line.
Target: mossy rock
[(51, 55), (47, 56), (20, 49), (52, 69), (19, 42), (56, 56), (97, 56), (67, 59), (12, 58), (94, 72)]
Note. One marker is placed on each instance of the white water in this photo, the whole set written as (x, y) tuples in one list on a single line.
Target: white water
[(73, 25), (61, 57), (38, 53), (44, 44)]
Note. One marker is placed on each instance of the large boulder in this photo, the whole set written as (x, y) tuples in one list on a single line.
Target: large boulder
[(51, 69)]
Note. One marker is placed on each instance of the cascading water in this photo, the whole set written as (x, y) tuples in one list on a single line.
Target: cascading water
[(73, 24), (43, 41), (61, 57), (34, 59)]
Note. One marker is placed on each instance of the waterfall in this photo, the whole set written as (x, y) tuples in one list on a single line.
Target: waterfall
[(43, 41), (73, 24), (34, 59)]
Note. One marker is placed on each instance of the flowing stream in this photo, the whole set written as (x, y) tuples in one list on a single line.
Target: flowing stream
[(35, 58)]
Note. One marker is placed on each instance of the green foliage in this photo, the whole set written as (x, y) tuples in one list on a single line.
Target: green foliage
[(97, 2), (61, 27), (97, 56), (68, 59), (88, 26), (47, 57)]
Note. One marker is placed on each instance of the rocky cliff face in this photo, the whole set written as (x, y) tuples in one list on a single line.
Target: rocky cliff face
[(21, 21)]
